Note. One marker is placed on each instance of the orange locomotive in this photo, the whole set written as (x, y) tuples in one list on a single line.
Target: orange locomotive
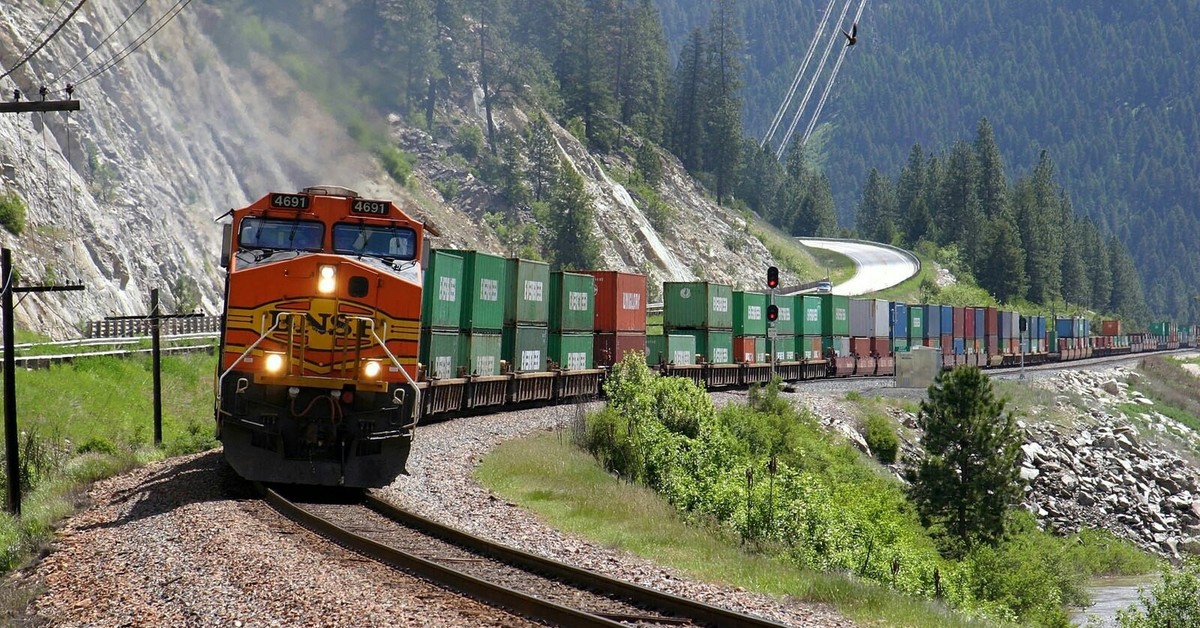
[(316, 382)]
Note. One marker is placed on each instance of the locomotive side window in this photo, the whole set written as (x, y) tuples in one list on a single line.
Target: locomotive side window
[(375, 241), (290, 235)]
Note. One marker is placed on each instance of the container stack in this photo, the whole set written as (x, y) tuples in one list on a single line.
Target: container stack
[(931, 328), (916, 326), (958, 331), (525, 342), (991, 331), (620, 321), (572, 316), (898, 331), (704, 311), (869, 327), (809, 327), (676, 349), (786, 328), (485, 277), (441, 315), (945, 328), (749, 327), (835, 324)]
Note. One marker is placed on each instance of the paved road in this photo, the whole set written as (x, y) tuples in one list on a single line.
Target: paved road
[(878, 267)]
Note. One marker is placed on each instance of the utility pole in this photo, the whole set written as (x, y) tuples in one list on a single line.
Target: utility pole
[(11, 445), (39, 106)]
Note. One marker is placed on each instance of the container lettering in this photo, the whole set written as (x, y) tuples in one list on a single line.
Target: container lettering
[(754, 312), (682, 357), (531, 360), (485, 365), (812, 315), (720, 355), (489, 290), (785, 313), (720, 304), (577, 302), (533, 291), (631, 300), (447, 289), (443, 366), (576, 361)]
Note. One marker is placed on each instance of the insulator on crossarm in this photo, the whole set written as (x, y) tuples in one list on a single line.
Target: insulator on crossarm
[(16, 95), (43, 91), (70, 88)]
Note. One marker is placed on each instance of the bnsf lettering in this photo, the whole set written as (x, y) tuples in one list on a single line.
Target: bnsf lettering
[(577, 302), (720, 304), (531, 360), (533, 291), (322, 324), (754, 312), (489, 290), (631, 300), (576, 361), (447, 289), (916, 323)]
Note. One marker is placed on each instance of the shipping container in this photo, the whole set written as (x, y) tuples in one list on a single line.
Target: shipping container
[(897, 321), (968, 330), (749, 313), (785, 349), (917, 328), (947, 322), (980, 319), (1110, 328), (1005, 324), (838, 345), (697, 305), (760, 350), (572, 302), (744, 348), (677, 349), (861, 346), (899, 345), (612, 348), (1041, 328), (947, 342), (481, 353), (440, 353), (527, 293), (809, 319), (525, 348), (992, 346), (810, 346), (620, 302), (960, 346), (991, 321), (932, 327), (959, 327), (785, 325), (715, 345), (880, 347), (442, 306), (572, 351), (835, 315), (484, 276)]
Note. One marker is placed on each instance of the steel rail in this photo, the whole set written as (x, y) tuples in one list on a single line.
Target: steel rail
[(699, 612), (488, 592)]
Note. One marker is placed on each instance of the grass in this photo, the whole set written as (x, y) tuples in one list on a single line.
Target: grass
[(93, 419), (570, 491)]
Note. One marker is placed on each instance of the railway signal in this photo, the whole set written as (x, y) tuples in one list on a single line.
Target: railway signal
[(772, 312), (772, 278)]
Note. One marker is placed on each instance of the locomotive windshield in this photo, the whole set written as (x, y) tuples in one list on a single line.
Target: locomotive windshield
[(375, 241), (289, 235)]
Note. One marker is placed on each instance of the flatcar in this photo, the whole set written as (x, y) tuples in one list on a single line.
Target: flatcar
[(316, 383)]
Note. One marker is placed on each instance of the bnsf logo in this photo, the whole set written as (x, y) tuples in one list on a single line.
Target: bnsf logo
[(448, 289), (577, 302), (322, 324), (489, 290), (754, 312), (533, 291)]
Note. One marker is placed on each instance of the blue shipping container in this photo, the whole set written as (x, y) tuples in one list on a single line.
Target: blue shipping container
[(933, 321), (1065, 327), (980, 319), (1006, 325), (1041, 327), (899, 320), (947, 319), (960, 346)]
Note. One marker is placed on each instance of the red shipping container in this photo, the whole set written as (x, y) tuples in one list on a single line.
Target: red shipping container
[(880, 347), (743, 349), (947, 344), (991, 322), (610, 348), (969, 324), (860, 346), (960, 321), (993, 345), (1110, 328), (620, 301)]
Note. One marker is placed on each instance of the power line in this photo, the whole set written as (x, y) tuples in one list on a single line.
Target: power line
[(813, 85), (787, 101), (829, 86), (105, 40), (49, 21), (138, 41), (46, 41)]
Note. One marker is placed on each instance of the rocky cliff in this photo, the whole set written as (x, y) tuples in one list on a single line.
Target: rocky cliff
[(122, 196)]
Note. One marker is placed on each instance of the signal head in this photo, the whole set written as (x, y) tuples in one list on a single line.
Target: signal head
[(772, 277), (772, 312)]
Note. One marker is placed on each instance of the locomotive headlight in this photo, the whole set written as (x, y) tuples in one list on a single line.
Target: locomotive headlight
[(326, 279), (274, 362), (371, 369)]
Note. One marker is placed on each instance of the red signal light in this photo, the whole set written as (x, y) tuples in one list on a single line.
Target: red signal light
[(772, 312), (772, 278)]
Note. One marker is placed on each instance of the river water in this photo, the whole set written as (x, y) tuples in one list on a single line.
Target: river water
[(1110, 595)]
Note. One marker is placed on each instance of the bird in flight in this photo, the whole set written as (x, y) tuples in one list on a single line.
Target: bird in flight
[(852, 36)]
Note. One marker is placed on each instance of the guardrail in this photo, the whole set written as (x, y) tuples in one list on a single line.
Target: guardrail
[(129, 327)]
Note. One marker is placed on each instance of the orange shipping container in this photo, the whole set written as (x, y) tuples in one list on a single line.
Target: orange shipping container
[(1110, 328), (620, 301), (743, 349)]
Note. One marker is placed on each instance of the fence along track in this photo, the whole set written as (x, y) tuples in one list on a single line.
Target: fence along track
[(625, 598)]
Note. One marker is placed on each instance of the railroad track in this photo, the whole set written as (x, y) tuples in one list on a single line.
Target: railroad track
[(538, 588)]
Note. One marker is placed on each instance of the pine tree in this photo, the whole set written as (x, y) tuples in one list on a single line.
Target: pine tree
[(723, 102), (1127, 300), (993, 185), (543, 157), (875, 217), (572, 241), (959, 213), (911, 199), (1099, 270), (1002, 270), (588, 70), (1036, 204), (1077, 287), (687, 89), (968, 475), (642, 91)]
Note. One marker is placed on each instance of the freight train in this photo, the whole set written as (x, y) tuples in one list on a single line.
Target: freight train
[(342, 330)]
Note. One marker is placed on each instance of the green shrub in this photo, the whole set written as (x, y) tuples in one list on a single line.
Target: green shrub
[(1173, 601), (97, 444), (881, 438), (398, 165), (468, 142), (12, 213)]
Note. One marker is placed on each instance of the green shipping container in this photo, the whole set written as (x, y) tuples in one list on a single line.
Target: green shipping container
[(572, 302), (572, 351), (527, 298), (899, 345), (670, 349), (916, 324), (760, 350), (525, 348), (484, 279), (440, 353), (785, 325), (785, 348), (697, 305), (749, 313), (441, 306), (809, 323), (716, 346), (808, 347), (835, 315), (481, 353)]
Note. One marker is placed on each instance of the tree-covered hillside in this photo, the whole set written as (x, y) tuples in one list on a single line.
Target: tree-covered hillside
[(1107, 89)]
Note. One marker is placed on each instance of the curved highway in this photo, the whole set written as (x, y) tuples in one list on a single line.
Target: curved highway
[(877, 267)]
